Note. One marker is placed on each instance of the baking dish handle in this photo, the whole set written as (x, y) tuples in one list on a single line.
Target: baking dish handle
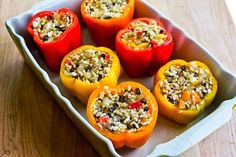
[(197, 132)]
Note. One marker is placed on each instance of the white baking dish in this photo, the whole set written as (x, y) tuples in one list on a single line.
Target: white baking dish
[(168, 137)]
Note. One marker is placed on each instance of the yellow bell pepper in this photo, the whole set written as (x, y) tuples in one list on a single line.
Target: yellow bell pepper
[(178, 112), (83, 89)]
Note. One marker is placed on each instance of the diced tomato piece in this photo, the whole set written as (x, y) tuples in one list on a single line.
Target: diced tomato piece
[(68, 62), (103, 120), (107, 57), (139, 33), (135, 105)]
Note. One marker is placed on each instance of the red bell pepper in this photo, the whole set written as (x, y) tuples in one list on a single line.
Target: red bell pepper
[(103, 31), (145, 61), (54, 51)]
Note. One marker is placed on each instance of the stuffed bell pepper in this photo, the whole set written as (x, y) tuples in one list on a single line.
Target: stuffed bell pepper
[(183, 89), (126, 114), (87, 68), (143, 46), (56, 33), (105, 18)]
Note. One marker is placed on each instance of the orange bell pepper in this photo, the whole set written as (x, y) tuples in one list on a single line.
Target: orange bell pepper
[(82, 89), (104, 31), (178, 112), (125, 138)]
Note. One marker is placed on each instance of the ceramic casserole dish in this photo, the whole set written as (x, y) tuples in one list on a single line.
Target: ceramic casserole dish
[(168, 138)]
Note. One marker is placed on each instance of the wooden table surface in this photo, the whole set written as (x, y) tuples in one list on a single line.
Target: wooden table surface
[(33, 124)]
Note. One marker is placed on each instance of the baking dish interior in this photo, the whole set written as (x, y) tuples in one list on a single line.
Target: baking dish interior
[(184, 48)]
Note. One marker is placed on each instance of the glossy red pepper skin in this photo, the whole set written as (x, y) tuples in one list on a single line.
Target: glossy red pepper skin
[(53, 52), (103, 31), (144, 62)]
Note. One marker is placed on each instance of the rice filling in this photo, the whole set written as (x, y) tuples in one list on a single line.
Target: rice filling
[(49, 28), (124, 111), (105, 9), (90, 65), (141, 35), (186, 86)]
